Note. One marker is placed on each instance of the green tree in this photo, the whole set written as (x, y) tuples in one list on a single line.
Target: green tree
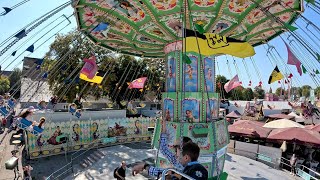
[(259, 92), (220, 82), (63, 75), (279, 90), (15, 82), (296, 91), (237, 93), (317, 92), (4, 84), (306, 90), (247, 94)]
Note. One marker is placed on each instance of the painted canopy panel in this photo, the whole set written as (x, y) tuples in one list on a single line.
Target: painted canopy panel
[(144, 27)]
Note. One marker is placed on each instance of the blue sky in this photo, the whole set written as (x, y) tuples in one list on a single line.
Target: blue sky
[(28, 12)]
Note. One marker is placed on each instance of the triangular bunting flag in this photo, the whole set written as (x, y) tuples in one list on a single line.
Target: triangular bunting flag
[(141, 90), (304, 70), (318, 57), (311, 1), (21, 34), (291, 28), (317, 72), (199, 28), (30, 48), (186, 58), (13, 53), (293, 60), (275, 75), (7, 10)]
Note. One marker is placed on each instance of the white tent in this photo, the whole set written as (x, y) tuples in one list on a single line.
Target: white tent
[(297, 117), (282, 123)]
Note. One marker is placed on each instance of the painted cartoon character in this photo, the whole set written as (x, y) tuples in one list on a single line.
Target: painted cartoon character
[(209, 74), (189, 71), (189, 116), (168, 117), (76, 130), (95, 128), (170, 72), (137, 131), (238, 6), (164, 5), (176, 26), (39, 142), (204, 3)]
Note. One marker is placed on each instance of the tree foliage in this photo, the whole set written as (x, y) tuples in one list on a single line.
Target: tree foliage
[(4, 84), (220, 82), (64, 61), (247, 94), (15, 82), (296, 91), (259, 92), (306, 90), (279, 91)]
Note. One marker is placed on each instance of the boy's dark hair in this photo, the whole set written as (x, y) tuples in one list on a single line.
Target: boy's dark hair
[(186, 139), (192, 150)]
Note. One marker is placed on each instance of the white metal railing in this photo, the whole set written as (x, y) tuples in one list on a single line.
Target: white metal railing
[(175, 171), (300, 171)]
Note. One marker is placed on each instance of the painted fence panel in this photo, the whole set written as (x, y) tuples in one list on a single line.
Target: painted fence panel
[(59, 137)]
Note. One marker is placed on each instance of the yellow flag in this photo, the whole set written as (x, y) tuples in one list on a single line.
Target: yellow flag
[(96, 79), (214, 44), (275, 75)]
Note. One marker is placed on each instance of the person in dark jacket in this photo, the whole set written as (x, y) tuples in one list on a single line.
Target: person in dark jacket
[(121, 171)]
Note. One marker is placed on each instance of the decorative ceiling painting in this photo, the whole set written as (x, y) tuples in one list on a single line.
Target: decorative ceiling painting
[(145, 27)]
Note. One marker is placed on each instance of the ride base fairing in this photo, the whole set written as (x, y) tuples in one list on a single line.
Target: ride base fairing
[(154, 28)]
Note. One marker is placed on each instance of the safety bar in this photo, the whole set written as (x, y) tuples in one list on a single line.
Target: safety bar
[(176, 171)]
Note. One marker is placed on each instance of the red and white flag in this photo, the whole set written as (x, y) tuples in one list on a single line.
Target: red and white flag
[(233, 83), (293, 60), (90, 67), (138, 83)]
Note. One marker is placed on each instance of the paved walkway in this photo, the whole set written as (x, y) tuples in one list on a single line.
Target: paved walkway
[(237, 167), (5, 154)]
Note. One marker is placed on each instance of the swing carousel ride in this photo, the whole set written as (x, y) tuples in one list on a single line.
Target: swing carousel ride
[(191, 35)]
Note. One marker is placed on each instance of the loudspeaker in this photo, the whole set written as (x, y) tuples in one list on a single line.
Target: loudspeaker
[(11, 163)]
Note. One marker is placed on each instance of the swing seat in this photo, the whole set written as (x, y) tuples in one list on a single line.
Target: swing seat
[(24, 124), (4, 111), (71, 110), (11, 104), (200, 132), (78, 115), (123, 103)]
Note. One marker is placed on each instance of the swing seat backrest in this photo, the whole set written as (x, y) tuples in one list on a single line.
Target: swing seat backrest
[(71, 110), (24, 123), (4, 111), (37, 130), (78, 115), (11, 104)]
